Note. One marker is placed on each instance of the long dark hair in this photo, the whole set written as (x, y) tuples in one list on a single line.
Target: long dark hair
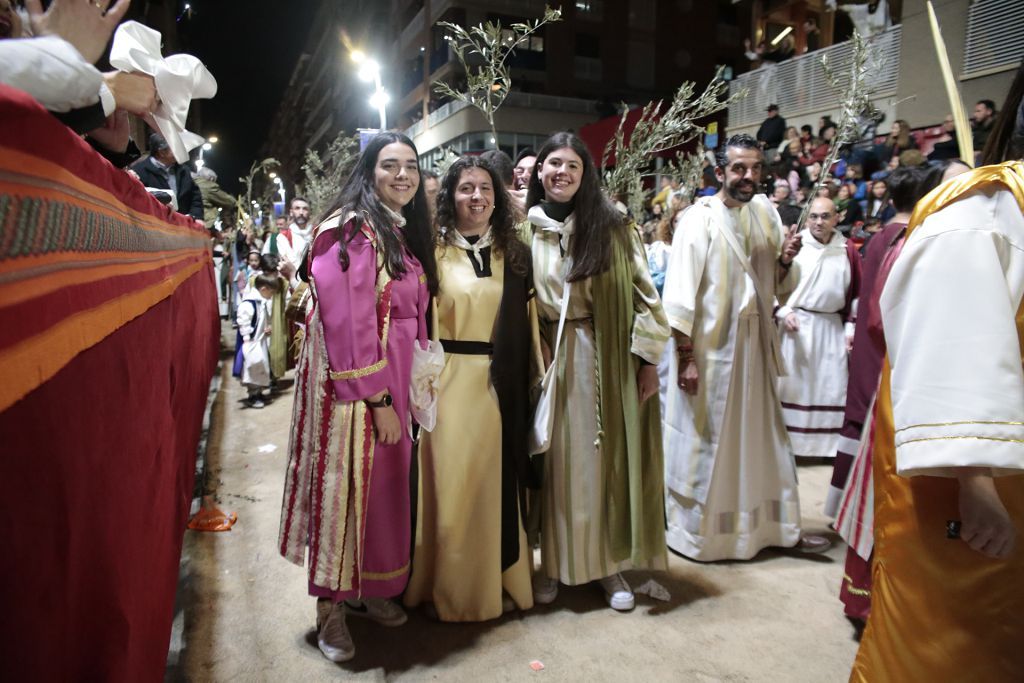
[(1006, 141), (503, 220), (598, 223), (359, 194)]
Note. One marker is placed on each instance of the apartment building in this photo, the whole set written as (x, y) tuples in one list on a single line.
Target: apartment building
[(569, 74)]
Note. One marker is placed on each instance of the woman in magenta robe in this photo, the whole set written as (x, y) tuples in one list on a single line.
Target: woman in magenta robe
[(371, 270)]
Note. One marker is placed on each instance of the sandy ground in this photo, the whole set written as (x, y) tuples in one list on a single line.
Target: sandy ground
[(244, 615)]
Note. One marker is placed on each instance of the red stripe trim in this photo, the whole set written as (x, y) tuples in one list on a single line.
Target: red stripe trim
[(797, 406), (301, 394)]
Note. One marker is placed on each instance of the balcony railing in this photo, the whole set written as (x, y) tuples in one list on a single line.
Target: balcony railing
[(799, 87)]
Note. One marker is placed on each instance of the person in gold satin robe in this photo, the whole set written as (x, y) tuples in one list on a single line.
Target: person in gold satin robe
[(948, 578), (471, 560)]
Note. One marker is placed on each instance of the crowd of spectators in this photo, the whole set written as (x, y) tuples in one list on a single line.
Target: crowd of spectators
[(857, 182)]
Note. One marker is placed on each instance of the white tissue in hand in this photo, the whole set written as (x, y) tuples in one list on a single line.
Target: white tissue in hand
[(427, 365)]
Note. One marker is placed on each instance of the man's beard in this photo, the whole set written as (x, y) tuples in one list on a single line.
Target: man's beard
[(300, 221), (741, 191)]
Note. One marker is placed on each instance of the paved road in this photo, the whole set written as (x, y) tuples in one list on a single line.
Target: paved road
[(244, 614)]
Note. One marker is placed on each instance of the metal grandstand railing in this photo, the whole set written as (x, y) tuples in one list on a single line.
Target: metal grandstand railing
[(799, 87)]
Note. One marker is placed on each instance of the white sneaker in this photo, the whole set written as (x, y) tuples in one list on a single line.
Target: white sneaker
[(545, 590), (507, 603), (619, 594), (383, 611), (333, 637)]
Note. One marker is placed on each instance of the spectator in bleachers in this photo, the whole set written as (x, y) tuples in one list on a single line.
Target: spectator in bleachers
[(812, 34), (855, 176), (981, 122), (900, 140), (772, 131), (792, 136), (781, 192), (823, 123), (848, 209), (878, 209), (806, 133), (947, 146)]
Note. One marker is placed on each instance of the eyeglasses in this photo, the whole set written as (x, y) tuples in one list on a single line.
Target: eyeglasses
[(819, 216)]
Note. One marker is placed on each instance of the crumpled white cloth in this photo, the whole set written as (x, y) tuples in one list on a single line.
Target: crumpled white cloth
[(178, 78), (427, 365)]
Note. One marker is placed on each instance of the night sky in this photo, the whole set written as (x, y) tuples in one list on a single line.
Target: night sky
[(251, 47)]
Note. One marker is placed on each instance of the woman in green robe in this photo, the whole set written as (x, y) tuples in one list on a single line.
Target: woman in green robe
[(602, 509)]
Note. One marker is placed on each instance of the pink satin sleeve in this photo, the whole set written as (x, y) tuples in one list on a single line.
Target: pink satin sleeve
[(348, 311)]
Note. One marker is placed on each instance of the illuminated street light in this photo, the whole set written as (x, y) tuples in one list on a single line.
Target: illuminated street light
[(206, 147), (379, 99), (213, 139), (369, 71), (280, 185)]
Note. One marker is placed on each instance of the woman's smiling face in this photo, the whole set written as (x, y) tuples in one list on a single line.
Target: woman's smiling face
[(474, 201), (397, 175), (560, 174)]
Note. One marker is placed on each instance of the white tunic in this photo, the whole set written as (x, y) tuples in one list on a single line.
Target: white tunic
[(950, 309), (813, 392), (729, 471)]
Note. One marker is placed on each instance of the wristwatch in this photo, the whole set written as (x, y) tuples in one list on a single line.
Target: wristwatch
[(383, 403)]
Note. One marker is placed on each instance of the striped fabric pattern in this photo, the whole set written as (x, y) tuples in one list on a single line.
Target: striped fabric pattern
[(77, 263)]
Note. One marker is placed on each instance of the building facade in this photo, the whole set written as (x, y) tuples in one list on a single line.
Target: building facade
[(569, 74)]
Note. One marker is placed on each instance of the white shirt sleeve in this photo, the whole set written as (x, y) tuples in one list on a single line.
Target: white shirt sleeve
[(685, 269), (51, 70), (949, 309)]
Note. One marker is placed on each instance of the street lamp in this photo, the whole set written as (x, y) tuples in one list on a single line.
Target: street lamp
[(280, 185), (369, 71), (206, 147)]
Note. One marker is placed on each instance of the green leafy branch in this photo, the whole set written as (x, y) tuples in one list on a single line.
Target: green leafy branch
[(658, 131), (488, 83), (854, 90), (257, 168), (324, 175)]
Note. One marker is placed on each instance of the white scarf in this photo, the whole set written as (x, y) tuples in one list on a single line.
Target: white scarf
[(459, 240), (564, 230), (396, 216)]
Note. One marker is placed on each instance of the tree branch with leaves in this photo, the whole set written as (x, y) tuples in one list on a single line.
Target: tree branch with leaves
[(324, 175), (658, 131), (489, 82), (853, 88)]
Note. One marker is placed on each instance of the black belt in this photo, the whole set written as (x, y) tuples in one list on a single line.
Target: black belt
[(468, 348)]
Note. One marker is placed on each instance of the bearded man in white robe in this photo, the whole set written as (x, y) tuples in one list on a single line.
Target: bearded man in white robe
[(816, 322), (729, 471)]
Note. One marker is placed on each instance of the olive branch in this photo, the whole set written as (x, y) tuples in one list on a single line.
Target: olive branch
[(324, 175), (488, 83), (854, 92), (658, 131)]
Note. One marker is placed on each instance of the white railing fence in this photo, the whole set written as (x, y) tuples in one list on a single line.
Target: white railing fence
[(799, 87)]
